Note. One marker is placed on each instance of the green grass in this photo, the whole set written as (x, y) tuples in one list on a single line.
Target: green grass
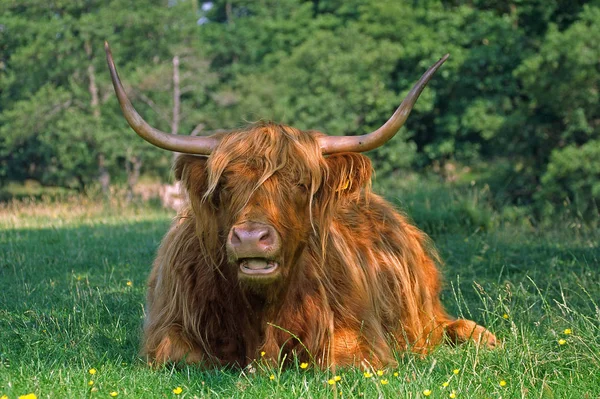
[(66, 306)]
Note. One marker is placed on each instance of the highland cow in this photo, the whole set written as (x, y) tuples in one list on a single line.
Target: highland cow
[(283, 251)]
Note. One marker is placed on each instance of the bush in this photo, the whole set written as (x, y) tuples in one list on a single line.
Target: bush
[(439, 207), (573, 177)]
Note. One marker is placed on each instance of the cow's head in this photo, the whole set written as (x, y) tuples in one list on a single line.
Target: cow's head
[(259, 195), (263, 193), (252, 198)]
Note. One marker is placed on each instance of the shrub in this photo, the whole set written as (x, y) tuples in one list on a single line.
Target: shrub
[(573, 177)]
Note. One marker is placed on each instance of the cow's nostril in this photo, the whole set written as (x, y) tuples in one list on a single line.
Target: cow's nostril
[(235, 238), (264, 237)]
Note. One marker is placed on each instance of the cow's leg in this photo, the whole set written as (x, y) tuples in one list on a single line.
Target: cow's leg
[(463, 330), (346, 348), (173, 348), (351, 348)]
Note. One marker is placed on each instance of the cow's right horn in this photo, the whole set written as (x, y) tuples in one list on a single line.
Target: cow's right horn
[(370, 141), (171, 142)]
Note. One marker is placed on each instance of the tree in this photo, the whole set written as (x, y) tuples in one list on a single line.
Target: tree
[(562, 84), (519, 92), (54, 60)]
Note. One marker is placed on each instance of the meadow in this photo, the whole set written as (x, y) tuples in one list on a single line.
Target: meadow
[(72, 291)]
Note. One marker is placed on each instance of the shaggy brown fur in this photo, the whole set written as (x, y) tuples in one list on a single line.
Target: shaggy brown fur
[(356, 281)]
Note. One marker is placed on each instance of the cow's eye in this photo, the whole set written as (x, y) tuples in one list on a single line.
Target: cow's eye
[(215, 199), (219, 195), (304, 187)]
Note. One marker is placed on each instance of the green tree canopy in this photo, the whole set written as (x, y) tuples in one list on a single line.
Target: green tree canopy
[(519, 92)]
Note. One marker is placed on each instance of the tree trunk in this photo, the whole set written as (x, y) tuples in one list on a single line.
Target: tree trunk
[(92, 87), (176, 100), (133, 166), (229, 12), (103, 174), (176, 96)]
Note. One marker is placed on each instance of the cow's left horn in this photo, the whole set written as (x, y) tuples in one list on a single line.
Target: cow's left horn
[(171, 142), (370, 141)]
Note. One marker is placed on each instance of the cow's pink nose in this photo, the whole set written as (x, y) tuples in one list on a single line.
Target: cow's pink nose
[(255, 236), (251, 239)]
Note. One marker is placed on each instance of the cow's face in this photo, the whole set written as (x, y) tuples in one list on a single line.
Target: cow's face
[(263, 195), (266, 223)]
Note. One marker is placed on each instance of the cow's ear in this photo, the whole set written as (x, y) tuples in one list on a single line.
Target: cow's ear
[(191, 171), (347, 175)]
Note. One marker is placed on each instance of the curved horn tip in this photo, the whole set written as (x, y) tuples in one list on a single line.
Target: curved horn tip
[(107, 50), (439, 62), (370, 141)]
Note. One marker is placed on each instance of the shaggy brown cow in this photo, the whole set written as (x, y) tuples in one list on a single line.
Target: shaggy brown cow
[(286, 251)]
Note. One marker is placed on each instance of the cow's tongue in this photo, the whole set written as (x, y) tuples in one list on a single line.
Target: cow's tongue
[(257, 266)]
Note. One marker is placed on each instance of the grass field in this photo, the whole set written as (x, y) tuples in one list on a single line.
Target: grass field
[(73, 286)]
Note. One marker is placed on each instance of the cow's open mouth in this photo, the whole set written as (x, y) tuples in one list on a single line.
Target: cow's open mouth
[(258, 266)]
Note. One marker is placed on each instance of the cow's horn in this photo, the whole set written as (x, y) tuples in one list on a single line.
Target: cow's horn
[(370, 141), (172, 142)]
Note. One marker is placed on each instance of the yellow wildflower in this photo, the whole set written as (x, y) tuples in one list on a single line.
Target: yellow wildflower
[(272, 377), (92, 371), (177, 390), (445, 383), (452, 395), (303, 365), (427, 392), (567, 331), (28, 396), (331, 381), (384, 382), (367, 374), (114, 393), (129, 283), (502, 383), (505, 316), (562, 341), (3, 397), (396, 374), (90, 382), (263, 353), (337, 378), (456, 371), (380, 372)]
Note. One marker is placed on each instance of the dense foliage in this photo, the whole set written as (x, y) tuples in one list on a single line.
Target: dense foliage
[(517, 100)]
